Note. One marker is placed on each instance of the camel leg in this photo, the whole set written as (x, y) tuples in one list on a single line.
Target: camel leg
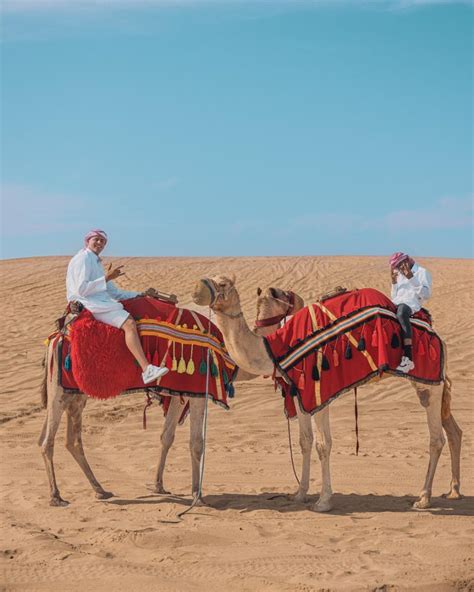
[(74, 411), (306, 444), (48, 434), (430, 398), (167, 438), (196, 443), (323, 447), (454, 435)]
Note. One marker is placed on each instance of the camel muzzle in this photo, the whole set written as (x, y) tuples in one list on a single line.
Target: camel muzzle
[(203, 294)]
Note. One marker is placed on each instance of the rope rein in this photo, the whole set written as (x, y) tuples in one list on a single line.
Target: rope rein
[(291, 452)]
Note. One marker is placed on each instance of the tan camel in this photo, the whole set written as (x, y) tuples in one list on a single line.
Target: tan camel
[(248, 351), (56, 401)]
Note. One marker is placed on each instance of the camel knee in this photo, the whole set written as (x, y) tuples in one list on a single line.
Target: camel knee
[(197, 450), (47, 448), (306, 442), (167, 439), (437, 443), (324, 449)]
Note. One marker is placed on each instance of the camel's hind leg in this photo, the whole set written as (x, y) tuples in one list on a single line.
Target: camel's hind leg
[(323, 447), (74, 409), (454, 435), (306, 445), (167, 438), (430, 398), (196, 443)]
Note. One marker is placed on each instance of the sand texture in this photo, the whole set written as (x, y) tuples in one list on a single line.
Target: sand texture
[(250, 536)]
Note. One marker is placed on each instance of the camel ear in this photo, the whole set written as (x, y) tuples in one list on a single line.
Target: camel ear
[(299, 303), (259, 291), (273, 292)]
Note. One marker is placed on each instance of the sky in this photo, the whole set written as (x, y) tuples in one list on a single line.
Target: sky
[(237, 128)]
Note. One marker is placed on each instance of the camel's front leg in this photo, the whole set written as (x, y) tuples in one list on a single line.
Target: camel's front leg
[(196, 443), (48, 434), (306, 444), (167, 438), (74, 442), (430, 398), (323, 447)]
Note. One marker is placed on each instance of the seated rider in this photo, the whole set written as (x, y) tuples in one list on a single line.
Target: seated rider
[(411, 286), (88, 283)]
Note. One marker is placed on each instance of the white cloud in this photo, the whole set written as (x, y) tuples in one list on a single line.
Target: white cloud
[(27, 211)]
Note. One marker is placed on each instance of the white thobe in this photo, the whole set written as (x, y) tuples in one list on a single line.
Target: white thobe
[(414, 291), (85, 282)]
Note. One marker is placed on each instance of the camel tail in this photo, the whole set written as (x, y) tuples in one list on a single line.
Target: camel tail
[(446, 401), (44, 383)]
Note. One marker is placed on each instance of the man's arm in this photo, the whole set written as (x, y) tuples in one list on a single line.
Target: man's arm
[(78, 278)]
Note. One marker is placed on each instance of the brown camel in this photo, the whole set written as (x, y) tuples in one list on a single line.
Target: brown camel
[(248, 351), (56, 401)]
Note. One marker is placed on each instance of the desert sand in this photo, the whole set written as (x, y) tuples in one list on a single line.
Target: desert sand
[(249, 536)]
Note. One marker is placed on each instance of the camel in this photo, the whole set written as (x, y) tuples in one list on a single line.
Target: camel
[(56, 401), (248, 351)]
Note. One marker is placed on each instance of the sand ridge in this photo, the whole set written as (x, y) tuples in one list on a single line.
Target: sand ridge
[(250, 536)]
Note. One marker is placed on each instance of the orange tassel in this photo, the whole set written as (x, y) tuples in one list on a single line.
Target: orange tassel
[(335, 357)]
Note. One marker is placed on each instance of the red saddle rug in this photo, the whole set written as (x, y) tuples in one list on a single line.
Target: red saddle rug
[(332, 346), (95, 359)]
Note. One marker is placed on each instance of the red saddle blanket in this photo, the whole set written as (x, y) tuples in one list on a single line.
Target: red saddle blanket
[(332, 346), (95, 359)]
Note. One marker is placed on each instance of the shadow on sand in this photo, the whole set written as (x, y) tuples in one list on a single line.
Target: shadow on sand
[(344, 504)]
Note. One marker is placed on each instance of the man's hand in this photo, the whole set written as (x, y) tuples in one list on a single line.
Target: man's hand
[(405, 268), (394, 275), (112, 274)]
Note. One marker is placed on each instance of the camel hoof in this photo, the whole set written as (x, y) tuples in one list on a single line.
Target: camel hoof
[(298, 497), (58, 502), (422, 504), (322, 507), (162, 490), (453, 495), (104, 494)]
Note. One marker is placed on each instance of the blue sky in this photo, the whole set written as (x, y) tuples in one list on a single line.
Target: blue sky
[(237, 128)]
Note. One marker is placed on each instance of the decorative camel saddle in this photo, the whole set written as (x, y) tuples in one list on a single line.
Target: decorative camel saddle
[(343, 341), (95, 359)]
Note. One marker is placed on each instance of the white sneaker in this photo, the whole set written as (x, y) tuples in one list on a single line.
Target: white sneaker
[(152, 373), (406, 365)]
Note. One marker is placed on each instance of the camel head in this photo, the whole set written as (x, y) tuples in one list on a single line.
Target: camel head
[(273, 305), (219, 293)]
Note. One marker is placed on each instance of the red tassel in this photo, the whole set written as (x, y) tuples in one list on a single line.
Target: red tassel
[(375, 341), (433, 355), (301, 382), (421, 348), (156, 359), (385, 336)]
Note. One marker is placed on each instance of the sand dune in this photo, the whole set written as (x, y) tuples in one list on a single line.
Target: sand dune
[(249, 536)]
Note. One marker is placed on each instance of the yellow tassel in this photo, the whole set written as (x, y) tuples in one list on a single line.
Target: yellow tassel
[(182, 366), (190, 366), (174, 363)]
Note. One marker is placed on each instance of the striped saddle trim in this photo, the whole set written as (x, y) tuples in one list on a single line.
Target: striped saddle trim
[(183, 335), (338, 327)]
